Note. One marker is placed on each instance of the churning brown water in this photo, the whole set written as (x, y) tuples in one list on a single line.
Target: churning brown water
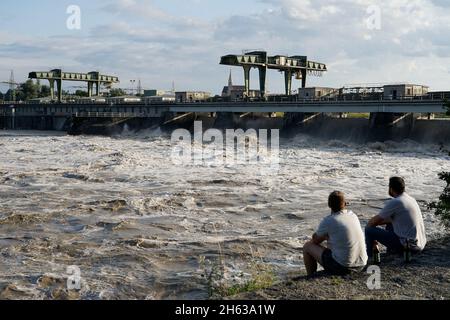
[(137, 226)]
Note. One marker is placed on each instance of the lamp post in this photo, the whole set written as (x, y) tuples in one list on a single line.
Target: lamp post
[(13, 117), (132, 86)]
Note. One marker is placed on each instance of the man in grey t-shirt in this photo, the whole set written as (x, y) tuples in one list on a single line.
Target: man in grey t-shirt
[(342, 230), (403, 220)]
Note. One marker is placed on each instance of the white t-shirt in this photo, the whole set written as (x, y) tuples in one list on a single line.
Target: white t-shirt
[(345, 238), (406, 217)]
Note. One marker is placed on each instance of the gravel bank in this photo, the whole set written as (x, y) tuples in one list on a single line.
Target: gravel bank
[(427, 277)]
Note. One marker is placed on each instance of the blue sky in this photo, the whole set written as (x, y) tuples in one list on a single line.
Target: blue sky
[(160, 41)]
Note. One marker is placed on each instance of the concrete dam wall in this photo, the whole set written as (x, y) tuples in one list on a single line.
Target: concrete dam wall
[(361, 130), (380, 127)]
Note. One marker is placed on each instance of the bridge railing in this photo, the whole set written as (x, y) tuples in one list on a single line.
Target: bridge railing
[(108, 115), (282, 100)]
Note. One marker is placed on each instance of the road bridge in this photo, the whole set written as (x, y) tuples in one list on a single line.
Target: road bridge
[(143, 110)]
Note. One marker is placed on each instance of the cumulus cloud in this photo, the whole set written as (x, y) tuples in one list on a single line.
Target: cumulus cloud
[(336, 32), (141, 40), (136, 8)]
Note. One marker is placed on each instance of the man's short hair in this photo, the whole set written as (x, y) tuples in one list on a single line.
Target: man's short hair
[(336, 201), (397, 184)]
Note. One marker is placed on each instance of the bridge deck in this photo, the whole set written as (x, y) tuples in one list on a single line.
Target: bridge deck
[(413, 106), (156, 110)]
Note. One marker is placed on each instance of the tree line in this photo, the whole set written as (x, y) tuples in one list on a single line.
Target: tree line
[(34, 90), (26, 91)]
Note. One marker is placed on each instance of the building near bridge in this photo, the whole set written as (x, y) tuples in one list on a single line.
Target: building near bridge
[(400, 91), (365, 92), (444, 95), (154, 93), (317, 93), (166, 98), (191, 96), (237, 93), (123, 99), (157, 96)]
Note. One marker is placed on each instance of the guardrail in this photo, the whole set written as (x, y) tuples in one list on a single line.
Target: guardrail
[(275, 99), (108, 115)]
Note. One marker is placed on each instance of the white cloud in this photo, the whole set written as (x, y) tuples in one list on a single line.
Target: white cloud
[(137, 8), (143, 41)]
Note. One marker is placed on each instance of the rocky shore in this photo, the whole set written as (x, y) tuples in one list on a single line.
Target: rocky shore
[(427, 277)]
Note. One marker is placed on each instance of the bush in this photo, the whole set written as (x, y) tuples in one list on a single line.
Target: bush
[(447, 106), (442, 207)]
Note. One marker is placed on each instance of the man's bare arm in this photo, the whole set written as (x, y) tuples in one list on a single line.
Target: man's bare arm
[(318, 240), (376, 221)]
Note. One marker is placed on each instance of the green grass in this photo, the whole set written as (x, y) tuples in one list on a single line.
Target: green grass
[(336, 281), (262, 277), (259, 276), (358, 115)]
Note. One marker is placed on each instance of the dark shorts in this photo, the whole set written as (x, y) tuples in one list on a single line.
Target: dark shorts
[(333, 267)]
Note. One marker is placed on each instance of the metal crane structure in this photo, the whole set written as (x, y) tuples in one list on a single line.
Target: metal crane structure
[(13, 85), (298, 66), (58, 76)]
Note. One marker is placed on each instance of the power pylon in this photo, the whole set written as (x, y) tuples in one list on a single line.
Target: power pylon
[(13, 85)]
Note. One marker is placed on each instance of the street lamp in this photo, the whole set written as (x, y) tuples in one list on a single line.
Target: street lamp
[(132, 86)]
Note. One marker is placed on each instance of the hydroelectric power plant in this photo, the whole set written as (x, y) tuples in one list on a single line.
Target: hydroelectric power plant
[(139, 223), (382, 112)]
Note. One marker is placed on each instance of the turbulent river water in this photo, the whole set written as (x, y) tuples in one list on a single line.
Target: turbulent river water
[(139, 227)]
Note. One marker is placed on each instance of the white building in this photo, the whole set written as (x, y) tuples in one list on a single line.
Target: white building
[(400, 91), (317, 93), (191, 96)]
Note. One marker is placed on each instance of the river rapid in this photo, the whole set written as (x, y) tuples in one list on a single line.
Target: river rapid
[(139, 227)]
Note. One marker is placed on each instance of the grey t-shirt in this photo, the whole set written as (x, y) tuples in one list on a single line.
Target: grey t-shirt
[(345, 238), (406, 217)]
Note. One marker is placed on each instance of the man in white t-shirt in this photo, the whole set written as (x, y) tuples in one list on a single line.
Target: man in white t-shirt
[(403, 220), (342, 230)]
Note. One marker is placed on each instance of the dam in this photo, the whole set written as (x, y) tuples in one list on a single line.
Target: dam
[(388, 118), (382, 112)]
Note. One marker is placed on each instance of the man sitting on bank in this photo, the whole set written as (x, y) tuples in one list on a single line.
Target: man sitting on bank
[(403, 220), (342, 230)]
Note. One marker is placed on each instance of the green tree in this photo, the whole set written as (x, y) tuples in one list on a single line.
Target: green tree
[(9, 95), (81, 93), (447, 104), (29, 90), (117, 93), (442, 207), (44, 91)]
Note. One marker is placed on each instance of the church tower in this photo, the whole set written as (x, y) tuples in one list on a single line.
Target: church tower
[(230, 85)]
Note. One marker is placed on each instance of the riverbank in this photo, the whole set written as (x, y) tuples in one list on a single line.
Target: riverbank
[(426, 278)]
